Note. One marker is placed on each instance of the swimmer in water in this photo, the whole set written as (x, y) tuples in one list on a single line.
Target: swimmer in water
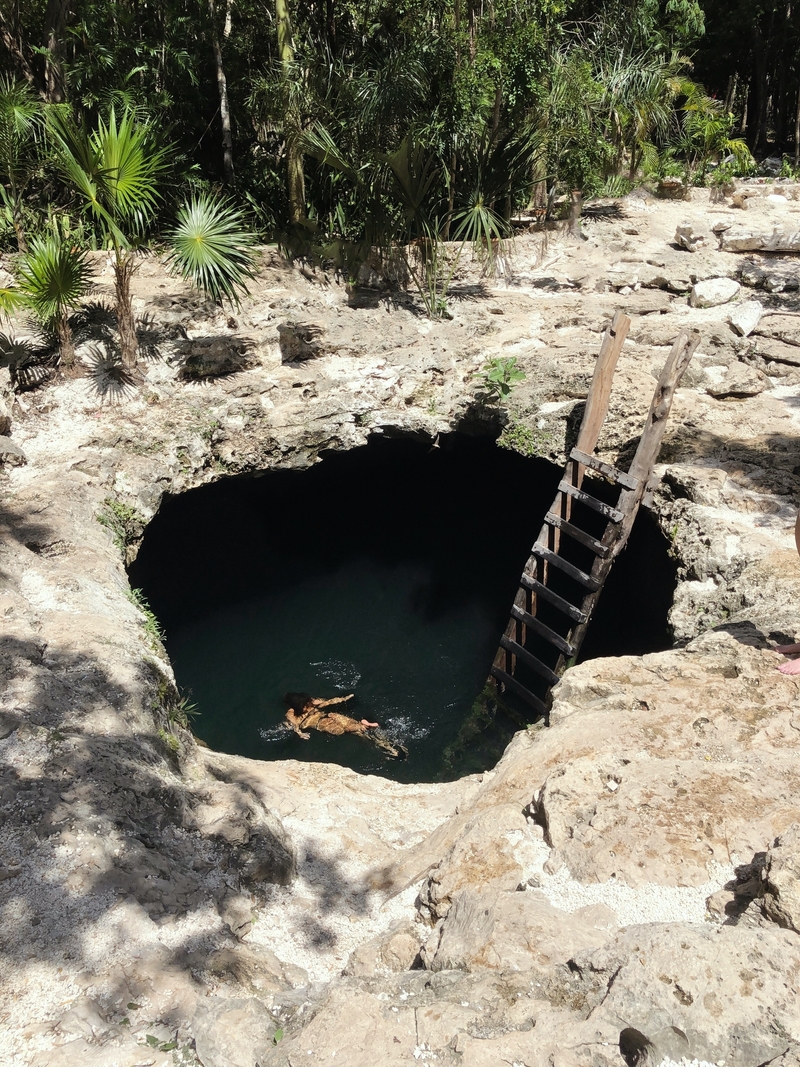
[(306, 713), (793, 666)]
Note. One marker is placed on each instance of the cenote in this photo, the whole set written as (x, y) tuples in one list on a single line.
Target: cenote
[(386, 571)]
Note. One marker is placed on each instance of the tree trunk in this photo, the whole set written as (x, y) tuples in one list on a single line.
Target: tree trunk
[(730, 95), (797, 132), (498, 102), (296, 185), (19, 229), (54, 22), (283, 19), (126, 323), (297, 182), (743, 128), (222, 86), (760, 92), (65, 343), (18, 53)]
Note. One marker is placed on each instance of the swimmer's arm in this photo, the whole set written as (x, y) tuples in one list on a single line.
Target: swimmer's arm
[(295, 722), (333, 700)]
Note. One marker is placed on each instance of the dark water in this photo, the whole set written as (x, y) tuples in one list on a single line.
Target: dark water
[(387, 571)]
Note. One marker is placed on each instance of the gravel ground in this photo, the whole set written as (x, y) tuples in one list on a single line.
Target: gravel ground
[(647, 903)]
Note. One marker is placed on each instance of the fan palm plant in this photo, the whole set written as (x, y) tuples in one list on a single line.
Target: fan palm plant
[(21, 122), (53, 277), (118, 171), (212, 247)]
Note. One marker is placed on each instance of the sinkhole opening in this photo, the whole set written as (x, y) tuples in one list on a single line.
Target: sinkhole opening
[(387, 571)]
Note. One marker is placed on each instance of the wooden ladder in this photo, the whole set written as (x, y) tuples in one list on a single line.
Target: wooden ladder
[(569, 564)]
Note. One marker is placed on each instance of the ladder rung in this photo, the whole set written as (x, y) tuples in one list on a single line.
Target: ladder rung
[(613, 475), (574, 572), (612, 514), (529, 660), (543, 631), (520, 690), (580, 536), (553, 598)]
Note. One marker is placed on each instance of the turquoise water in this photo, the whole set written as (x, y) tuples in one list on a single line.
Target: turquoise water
[(388, 572)]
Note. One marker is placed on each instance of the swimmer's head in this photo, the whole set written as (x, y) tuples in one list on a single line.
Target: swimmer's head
[(297, 700)]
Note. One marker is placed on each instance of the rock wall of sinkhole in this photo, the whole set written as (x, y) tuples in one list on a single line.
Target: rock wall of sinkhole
[(153, 889)]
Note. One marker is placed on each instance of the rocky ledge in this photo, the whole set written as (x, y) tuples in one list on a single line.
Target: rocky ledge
[(623, 887)]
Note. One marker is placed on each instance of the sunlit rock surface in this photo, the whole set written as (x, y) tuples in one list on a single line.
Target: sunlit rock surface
[(160, 901)]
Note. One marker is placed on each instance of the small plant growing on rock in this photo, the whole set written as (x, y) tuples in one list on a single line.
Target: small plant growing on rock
[(497, 378), (170, 741), (124, 522), (152, 627)]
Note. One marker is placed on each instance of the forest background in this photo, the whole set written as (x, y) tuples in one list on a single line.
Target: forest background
[(336, 127)]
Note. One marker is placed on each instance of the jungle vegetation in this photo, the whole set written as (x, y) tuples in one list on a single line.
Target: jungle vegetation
[(336, 127)]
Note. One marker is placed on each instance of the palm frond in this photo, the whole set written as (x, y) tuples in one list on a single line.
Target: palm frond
[(131, 164), (21, 121), (11, 300), (116, 169), (415, 171), (52, 277), (212, 247)]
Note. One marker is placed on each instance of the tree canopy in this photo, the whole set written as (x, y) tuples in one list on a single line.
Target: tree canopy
[(297, 107)]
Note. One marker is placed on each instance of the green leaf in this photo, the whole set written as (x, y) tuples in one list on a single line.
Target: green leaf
[(116, 170), (152, 1041), (53, 276), (213, 248), (277, 1036)]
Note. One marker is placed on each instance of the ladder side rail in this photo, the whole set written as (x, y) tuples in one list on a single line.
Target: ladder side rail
[(616, 537), (591, 424), (600, 389), (525, 601), (656, 424)]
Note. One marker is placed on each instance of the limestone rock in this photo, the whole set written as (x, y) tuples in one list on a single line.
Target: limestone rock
[(782, 879), (482, 856), (301, 340), (5, 417), (790, 1058), (663, 789), (745, 317), (687, 238), (752, 276), (260, 971), (352, 1028), (713, 292), (739, 381), (781, 327), (215, 357), (624, 276), (395, 950), (679, 991), (779, 351), (232, 813), (742, 239), (234, 1032), (490, 930), (113, 1054), (11, 454), (671, 279), (673, 189)]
